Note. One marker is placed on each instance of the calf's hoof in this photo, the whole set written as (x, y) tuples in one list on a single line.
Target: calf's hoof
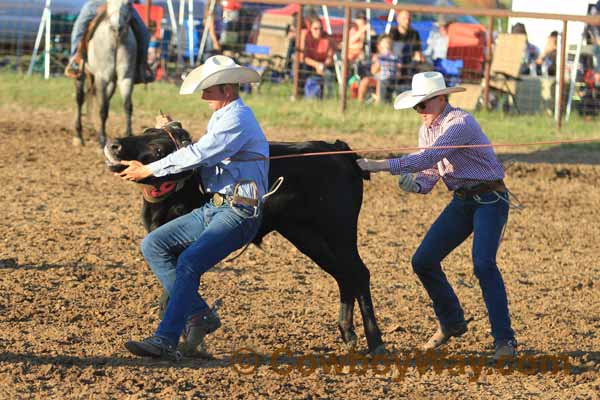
[(77, 141), (378, 351), (349, 337)]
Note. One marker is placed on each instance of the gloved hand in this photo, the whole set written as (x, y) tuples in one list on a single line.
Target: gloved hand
[(408, 184), (372, 165)]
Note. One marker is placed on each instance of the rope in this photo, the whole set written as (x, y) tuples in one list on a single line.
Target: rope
[(416, 148)]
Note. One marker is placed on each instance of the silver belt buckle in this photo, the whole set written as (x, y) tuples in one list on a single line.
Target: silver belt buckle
[(218, 199)]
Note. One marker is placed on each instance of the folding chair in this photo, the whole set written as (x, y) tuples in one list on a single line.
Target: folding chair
[(506, 64), (271, 50), (450, 68)]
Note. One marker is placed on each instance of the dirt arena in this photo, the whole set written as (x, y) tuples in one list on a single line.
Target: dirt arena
[(75, 286)]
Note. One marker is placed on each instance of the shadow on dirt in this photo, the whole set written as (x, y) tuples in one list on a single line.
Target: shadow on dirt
[(247, 361), (12, 264), (578, 153)]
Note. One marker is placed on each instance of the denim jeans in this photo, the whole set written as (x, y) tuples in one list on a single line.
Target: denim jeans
[(454, 225), (87, 14), (180, 251)]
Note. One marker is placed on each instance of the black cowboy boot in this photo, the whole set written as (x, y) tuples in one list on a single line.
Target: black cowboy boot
[(155, 347), (144, 74)]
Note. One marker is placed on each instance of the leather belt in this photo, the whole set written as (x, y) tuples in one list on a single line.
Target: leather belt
[(218, 199), (481, 188)]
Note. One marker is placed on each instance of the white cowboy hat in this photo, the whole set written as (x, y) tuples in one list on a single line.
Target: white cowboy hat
[(217, 70), (425, 85)]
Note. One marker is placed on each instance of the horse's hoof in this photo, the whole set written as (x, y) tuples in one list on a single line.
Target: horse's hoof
[(379, 351), (77, 141)]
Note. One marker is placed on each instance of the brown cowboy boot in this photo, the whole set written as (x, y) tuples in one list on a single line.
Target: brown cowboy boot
[(74, 69), (505, 349), (443, 334)]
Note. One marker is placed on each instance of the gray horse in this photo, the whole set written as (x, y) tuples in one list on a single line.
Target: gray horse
[(111, 61)]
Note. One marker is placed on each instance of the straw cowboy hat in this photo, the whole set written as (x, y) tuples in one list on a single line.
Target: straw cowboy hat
[(425, 85), (217, 70)]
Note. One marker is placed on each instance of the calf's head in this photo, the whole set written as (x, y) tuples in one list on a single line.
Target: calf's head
[(151, 146)]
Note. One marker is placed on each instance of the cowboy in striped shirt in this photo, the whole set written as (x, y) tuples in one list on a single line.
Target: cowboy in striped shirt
[(479, 206)]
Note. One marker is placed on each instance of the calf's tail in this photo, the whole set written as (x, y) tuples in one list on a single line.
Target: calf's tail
[(343, 146)]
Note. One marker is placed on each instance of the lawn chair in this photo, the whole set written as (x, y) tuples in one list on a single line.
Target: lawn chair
[(505, 67), (450, 69), (271, 50)]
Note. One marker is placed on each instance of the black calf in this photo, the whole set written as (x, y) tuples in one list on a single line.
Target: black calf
[(316, 209)]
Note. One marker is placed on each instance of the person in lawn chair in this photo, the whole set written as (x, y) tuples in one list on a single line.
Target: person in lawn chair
[(88, 12)]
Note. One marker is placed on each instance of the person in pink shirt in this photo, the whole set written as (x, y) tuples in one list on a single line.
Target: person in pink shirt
[(479, 206), (316, 52)]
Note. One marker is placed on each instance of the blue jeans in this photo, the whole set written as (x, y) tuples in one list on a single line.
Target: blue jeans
[(454, 225), (180, 251), (87, 14)]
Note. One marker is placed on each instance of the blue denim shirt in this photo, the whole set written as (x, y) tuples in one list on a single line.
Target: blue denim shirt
[(232, 136)]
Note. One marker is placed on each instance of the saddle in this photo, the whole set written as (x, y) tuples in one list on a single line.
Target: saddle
[(81, 53), (91, 29)]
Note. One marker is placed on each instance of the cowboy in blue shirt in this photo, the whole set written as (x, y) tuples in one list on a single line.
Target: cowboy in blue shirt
[(233, 161)]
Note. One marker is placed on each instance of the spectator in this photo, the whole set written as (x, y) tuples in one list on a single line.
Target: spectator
[(590, 101), (384, 68), (291, 38), (153, 46), (546, 62), (531, 52), (86, 15), (215, 27), (358, 32), (437, 41), (230, 31), (316, 52), (407, 46), (593, 34)]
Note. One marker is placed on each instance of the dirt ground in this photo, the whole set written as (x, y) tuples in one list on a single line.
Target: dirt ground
[(75, 287)]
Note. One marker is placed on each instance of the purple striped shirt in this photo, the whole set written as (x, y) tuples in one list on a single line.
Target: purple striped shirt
[(458, 168)]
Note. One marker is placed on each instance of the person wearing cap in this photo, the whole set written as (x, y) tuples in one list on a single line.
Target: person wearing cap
[(232, 160), (479, 206)]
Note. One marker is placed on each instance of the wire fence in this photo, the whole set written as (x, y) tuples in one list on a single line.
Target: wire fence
[(363, 51)]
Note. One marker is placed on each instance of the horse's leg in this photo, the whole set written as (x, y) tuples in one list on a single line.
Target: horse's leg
[(80, 96), (106, 90), (126, 89), (310, 242)]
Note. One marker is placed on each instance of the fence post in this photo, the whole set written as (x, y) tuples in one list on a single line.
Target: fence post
[(148, 7), (488, 63), (561, 83), (346, 40), (297, 57)]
